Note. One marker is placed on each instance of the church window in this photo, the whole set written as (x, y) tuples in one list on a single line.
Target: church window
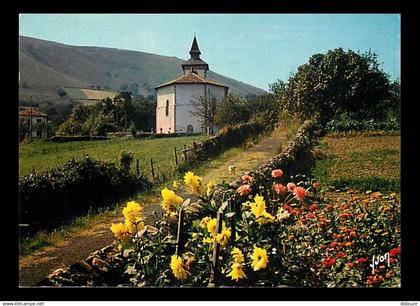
[(167, 108)]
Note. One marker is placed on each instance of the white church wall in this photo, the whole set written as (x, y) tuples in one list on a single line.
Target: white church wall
[(185, 93), (165, 124)]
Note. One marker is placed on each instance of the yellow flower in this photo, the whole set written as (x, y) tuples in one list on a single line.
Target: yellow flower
[(282, 214), (237, 271), (237, 255), (259, 258), (119, 231), (258, 207), (194, 182), (132, 211), (208, 240), (170, 200), (176, 184), (133, 227), (211, 226), (210, 187), (265, 218), (178, 268), (204, 221), (223, 237)]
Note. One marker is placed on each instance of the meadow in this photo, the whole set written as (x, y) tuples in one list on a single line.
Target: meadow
[(364, 162), (41, 155)]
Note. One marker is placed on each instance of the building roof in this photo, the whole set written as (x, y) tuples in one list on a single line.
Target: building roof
[(194, 62), (191, 78), (35, 113), (87, 94), (195, 51)]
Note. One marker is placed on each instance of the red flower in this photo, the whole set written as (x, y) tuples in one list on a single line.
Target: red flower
[(276, 173), (246, 178), (310, 216), (287, 207), (341, 254), (313, 207), (291, 186), (329, 207), (323, 246), (279, 188), (333, 244), (352, 234), (296, 211), (395, 251), (392, 259), (344, 215), (300, 193), (328, 262), (243, 190), (337, 236), (362, 260), (322, 223)]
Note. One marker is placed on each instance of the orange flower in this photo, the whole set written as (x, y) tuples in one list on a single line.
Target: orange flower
[(329, 207), (313, 207), (333, 244), (341, 254), (300, 193), (291, 186), (352, 234), (244, 189), (322, 223), (246, 178), (348, 243), (344, 215), (337, 236), (276, 173), (279, 188), (316, 184)]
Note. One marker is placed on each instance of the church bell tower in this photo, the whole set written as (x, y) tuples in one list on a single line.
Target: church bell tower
[(195, 64)]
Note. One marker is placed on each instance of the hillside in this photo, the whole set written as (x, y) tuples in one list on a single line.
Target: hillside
[(45, 66)]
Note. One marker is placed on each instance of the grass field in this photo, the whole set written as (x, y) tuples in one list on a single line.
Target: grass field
[(41, 155), (361, 162)]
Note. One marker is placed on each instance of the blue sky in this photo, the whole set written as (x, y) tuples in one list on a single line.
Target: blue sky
[(254, 48)]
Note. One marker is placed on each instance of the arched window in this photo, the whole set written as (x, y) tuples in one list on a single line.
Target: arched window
[(167, 108), (190, 129)]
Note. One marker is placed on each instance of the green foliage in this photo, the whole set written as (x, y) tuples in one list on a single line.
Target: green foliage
[(346, 124), (368, 183), (56, 195), (232, 110), (125, 159), (334, 83)]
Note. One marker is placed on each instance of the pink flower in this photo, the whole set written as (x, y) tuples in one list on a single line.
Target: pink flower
[(244, 189), (300, 193), (276, 173), (246, 178), (291, 186), (316, 184), (279, 188)]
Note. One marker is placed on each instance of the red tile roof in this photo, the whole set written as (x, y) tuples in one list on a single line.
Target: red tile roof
[(27, 112), (191, 78)]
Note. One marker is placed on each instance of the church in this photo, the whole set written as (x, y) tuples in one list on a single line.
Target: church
[(173, 110)]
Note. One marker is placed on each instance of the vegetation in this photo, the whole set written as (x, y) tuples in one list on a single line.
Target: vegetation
[(340, 83), (360, 162), (41, 155)]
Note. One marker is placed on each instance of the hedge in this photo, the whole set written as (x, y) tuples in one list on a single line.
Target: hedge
[(55, 196), (76, 138)]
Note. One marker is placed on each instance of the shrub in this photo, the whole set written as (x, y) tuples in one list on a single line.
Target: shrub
[(54, 196)]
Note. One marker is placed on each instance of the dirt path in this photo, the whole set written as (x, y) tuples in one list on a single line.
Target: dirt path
[(33, 268)]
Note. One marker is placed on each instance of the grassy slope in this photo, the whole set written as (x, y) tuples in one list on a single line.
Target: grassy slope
[(43, 155), (362, 162)]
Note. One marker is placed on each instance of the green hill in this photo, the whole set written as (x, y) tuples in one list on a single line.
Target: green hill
[(46, 66)]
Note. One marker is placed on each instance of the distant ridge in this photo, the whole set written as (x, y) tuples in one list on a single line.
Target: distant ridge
[(45, 66)]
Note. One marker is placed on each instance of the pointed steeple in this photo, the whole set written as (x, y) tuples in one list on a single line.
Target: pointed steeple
[(195, 51)]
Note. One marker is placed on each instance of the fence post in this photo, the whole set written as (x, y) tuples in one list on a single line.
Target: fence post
[(151, 168), (185, 153), (137, 167), (232, 209), (176, 157), (180, 238), (214, 273)]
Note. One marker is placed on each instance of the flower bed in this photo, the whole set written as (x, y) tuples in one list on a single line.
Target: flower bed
[(272, 227)]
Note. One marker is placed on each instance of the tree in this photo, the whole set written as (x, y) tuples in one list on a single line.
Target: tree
[(205, 108), (233, 110), (335, 83)]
